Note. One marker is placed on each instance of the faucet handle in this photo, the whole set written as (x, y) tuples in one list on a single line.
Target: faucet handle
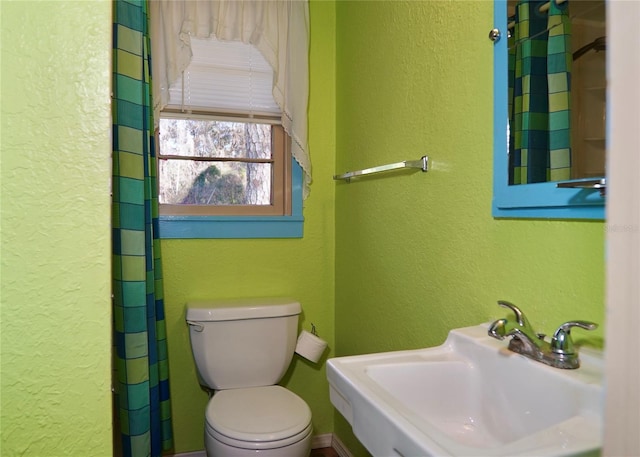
[(561, 343)]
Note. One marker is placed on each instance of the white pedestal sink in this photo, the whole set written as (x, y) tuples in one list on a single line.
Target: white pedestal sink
[(469, 397)]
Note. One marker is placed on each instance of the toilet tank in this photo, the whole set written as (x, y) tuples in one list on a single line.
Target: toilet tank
[(242, 343)]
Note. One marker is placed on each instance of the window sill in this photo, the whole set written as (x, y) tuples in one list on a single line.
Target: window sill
[(188, 227), (241, 227)]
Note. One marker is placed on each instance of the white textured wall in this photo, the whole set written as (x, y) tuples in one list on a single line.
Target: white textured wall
[(55, 321), (622, 412)]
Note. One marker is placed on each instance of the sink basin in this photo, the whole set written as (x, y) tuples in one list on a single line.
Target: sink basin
[(469, 397)]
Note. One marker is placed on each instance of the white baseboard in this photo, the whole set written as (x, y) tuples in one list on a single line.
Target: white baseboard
[(317, 442), (339, 447), (191, 454), (320, 441)]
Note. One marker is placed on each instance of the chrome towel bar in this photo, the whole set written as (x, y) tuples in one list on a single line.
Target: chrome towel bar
[(422, 163)]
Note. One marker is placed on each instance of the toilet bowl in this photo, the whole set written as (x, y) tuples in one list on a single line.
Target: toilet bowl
[(242, 348), (265, 421)]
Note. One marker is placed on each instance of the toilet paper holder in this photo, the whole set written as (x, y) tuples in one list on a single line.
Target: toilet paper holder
[(310, 345)]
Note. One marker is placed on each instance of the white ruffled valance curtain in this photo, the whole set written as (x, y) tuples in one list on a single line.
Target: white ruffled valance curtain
[(279, 29)]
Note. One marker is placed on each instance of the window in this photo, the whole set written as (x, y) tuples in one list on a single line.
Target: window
[(224, 160), (213, 167)]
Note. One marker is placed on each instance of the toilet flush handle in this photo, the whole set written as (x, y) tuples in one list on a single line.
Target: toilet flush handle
[(197, 326)]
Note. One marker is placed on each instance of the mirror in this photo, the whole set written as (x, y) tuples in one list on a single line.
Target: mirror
[(550, 72)]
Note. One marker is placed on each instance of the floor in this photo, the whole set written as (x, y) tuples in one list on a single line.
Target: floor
[(324, 452)]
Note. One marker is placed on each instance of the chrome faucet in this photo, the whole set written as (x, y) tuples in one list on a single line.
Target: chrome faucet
[(559, 353)]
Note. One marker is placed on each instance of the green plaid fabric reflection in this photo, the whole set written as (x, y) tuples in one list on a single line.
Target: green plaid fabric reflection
[(540, 62), (142, 388)]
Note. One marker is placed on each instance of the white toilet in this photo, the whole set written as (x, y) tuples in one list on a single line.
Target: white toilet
[(242, 348)]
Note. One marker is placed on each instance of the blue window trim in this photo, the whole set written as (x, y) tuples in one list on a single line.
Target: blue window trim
[(540, 200), (174, 227)]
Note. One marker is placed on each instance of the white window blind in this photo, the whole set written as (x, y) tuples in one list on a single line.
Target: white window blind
[(225, 77)]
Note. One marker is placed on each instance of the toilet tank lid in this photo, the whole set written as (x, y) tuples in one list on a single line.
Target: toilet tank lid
[(245, 308)]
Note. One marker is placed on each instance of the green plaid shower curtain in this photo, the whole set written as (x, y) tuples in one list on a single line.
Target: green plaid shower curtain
[(539, 93), (140, 353)]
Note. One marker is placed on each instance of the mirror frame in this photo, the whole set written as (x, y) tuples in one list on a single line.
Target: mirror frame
[(539, 200)]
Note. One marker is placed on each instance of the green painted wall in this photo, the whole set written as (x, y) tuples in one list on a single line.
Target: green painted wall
[(300, 268), (386, 263), (56, 171), (419, 254)]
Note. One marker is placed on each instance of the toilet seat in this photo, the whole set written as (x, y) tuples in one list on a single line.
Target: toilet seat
[(258, 417)]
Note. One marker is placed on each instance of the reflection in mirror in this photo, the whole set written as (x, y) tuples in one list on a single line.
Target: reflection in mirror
[(557, 90)]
